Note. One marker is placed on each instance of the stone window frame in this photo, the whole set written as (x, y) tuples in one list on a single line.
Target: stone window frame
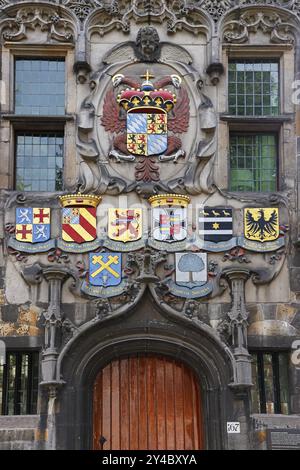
[(12, 123), (279, 125)]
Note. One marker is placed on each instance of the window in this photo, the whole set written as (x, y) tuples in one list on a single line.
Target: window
[(254, 124), (40, 86), (39, 137), (253, 87), (39, 161), (253, 162), (270, 378), (19, 383)]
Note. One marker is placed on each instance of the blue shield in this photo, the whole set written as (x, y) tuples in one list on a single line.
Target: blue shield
[(32, 224), (105, 269)]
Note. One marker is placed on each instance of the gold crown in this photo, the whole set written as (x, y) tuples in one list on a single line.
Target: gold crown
[(169, 200), (80, 200)]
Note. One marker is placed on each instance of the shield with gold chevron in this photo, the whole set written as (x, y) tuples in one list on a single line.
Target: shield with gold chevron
[(79, 218)]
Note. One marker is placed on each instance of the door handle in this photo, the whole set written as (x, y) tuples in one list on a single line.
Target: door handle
[(102, 441)]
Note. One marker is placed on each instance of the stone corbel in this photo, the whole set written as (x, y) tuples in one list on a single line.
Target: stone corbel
[(82, 69), (237, 323), (146, 263), (215, 70), (82, 66), (55, 276)]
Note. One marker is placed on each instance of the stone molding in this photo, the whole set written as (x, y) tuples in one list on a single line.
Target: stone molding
[(16, 25)]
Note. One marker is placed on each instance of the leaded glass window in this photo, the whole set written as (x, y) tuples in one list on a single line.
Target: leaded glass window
[(40, 86), (39, 161), (253, 162), (253, 87), (19, 383), (270, 393)]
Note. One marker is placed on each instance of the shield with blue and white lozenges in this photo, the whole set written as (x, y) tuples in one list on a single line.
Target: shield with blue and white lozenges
[(147, 132)]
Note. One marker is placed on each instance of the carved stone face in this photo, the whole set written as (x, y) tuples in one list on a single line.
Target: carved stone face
[(147, 44)]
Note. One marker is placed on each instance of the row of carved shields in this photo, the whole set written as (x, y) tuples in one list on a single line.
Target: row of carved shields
[(107, 275), (125, 232)]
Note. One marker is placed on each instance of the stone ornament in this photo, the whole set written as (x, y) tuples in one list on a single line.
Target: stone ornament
[(16, 26), (280, 30)]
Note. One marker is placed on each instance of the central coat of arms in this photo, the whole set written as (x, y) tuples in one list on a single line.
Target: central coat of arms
[(144, 132)]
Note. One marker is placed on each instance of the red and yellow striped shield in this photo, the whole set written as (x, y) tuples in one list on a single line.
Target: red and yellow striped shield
[(79, 224)]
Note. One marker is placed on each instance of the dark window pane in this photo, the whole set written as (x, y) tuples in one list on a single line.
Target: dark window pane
[(255, 388), (253, 163), (270, 393), (259, 79), (283, 378), (19, 383), (39, 162), (40, 86)]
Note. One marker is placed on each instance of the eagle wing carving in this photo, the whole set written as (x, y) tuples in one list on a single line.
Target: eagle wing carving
[(110, 118), (179, 123)]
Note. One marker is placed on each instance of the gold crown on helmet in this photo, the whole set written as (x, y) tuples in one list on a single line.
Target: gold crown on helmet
[(169, 200), (80, 200)]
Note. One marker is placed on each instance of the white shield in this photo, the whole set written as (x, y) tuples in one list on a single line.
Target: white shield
[(191, 269), (169, 224)]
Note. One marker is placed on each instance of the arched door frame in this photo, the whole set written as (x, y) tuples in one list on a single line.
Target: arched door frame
[(91, 351)]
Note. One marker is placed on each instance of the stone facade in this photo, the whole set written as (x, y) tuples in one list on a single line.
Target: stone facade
[(254, 298)]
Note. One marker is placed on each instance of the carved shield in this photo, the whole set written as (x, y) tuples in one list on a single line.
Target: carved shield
[(191, 269), (169, 224), (261, 224), (79, 224), (125, 225), (215, 224), (147, 132), (105, 269), (32, 224)]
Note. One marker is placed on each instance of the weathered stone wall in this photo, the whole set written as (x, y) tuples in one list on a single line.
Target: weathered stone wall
[(18, 432)]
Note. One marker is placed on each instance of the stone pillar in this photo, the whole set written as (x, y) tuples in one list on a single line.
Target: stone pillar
[(242, 382), (237, 322), (53, 322), (50, 382)]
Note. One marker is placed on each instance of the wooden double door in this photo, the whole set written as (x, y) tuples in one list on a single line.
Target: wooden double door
[(148, 403)]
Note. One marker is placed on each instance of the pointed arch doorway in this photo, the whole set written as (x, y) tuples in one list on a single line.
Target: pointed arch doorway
[(147, 402)]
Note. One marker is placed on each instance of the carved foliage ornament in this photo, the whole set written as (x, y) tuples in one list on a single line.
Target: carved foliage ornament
[(182, 14), (177, 14), (237, 31), (29, 18)]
